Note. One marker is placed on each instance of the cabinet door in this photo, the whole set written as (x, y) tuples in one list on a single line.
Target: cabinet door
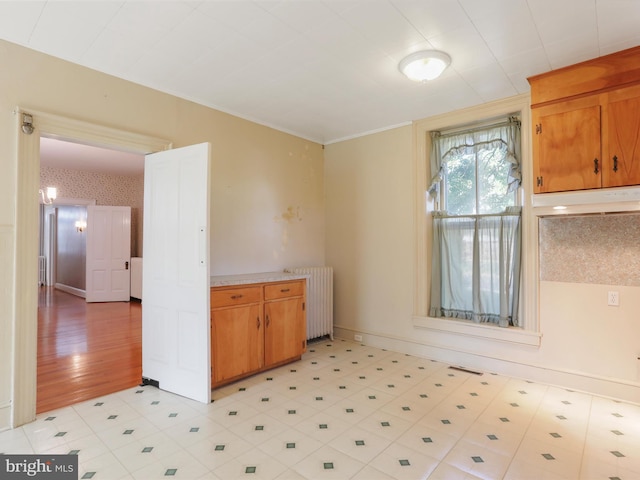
[(567, 153), (622, 163), (237, 341), (284, 337)]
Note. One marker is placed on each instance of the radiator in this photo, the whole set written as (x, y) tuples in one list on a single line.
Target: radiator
[(42, 270), (319, 300)]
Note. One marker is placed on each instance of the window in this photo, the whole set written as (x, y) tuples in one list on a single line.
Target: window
[(475, 181), (477, 228)]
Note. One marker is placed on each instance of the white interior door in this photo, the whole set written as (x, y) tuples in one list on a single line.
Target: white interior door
[(175, 272), (108, 254)]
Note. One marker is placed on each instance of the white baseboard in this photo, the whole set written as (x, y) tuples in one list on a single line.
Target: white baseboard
[(618, 389), (5, 417), (72, 290)]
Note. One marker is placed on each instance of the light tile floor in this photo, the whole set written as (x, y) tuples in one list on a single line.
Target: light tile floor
[(347, 411)]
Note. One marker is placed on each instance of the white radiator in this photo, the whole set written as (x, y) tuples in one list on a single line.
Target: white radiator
[(42, 270), (319, 300)]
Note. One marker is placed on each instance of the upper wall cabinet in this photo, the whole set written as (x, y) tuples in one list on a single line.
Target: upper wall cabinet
[(586, 124)]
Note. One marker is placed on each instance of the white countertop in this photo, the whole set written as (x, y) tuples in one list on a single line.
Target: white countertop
[(247, 278)]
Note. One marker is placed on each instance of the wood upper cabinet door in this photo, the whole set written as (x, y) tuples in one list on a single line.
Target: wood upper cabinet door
[(581, 112), (622, 130), (284, 321), (567, 153), (237, 341)]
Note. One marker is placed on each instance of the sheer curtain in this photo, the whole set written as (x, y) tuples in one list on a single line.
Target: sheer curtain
[(506, 135), (475, 268)]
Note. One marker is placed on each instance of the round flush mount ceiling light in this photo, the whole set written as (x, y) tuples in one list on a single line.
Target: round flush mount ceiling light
[(424, 65)]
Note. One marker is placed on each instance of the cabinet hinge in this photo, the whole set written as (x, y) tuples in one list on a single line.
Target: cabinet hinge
[(538, 128), (539, 181)]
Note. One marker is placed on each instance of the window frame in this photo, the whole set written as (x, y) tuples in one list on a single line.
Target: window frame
[(529, 332)]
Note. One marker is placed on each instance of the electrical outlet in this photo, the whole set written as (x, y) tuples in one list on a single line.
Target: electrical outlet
[(357, 338), (613, 299)]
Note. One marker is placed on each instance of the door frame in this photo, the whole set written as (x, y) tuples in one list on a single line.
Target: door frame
[(25, 318)]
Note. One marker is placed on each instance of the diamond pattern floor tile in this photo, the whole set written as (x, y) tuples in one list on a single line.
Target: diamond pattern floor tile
[(347, 410)]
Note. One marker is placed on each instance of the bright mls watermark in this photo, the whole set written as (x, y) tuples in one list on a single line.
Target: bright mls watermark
[(45, 467)]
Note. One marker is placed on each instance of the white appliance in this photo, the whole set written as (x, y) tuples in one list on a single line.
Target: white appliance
[(136, 277)]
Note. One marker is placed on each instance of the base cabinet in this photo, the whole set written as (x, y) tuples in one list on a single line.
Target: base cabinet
[(255, 328), (236, 339)]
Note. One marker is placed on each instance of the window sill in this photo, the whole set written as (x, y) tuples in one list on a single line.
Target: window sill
[(470, 329)]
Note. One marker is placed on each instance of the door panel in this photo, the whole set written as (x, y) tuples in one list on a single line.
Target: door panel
[(175, 272), (282, 332), (623, 167), (568, 147), (237, 341), (108, 253)]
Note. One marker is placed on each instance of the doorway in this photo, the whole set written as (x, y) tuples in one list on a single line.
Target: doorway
[(84, 350), (23, 405)]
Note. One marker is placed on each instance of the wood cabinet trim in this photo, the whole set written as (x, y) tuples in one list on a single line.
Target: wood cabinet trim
[(605, 73)]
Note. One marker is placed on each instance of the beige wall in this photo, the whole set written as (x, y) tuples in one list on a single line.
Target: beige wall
[(369, 185), (257, 173), (584, 344)]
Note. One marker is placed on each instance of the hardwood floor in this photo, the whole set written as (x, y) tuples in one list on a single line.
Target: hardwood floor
[(85, 350)]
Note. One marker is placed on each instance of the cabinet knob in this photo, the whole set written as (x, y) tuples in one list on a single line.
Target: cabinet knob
[(284, 290), (258, 323), (236, 297), (268, 322), (615, 163), (596, 166)]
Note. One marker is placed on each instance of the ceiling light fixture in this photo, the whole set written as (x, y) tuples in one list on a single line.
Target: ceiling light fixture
[(424, 65)]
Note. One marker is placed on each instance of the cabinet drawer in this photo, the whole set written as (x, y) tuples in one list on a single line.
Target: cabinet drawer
[(283, 290), (235, 296)]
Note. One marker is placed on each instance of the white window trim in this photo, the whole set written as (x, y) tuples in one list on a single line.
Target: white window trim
[(529, 333)]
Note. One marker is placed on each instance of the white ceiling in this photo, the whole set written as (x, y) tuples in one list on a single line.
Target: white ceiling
[(74, 156), (324, 70)]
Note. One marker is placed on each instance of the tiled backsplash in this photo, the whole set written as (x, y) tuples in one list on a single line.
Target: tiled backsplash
[(599, 249), (106, 189)]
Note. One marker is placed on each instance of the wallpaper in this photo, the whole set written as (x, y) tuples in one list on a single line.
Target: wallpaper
[(106, 189), (599, 249)]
